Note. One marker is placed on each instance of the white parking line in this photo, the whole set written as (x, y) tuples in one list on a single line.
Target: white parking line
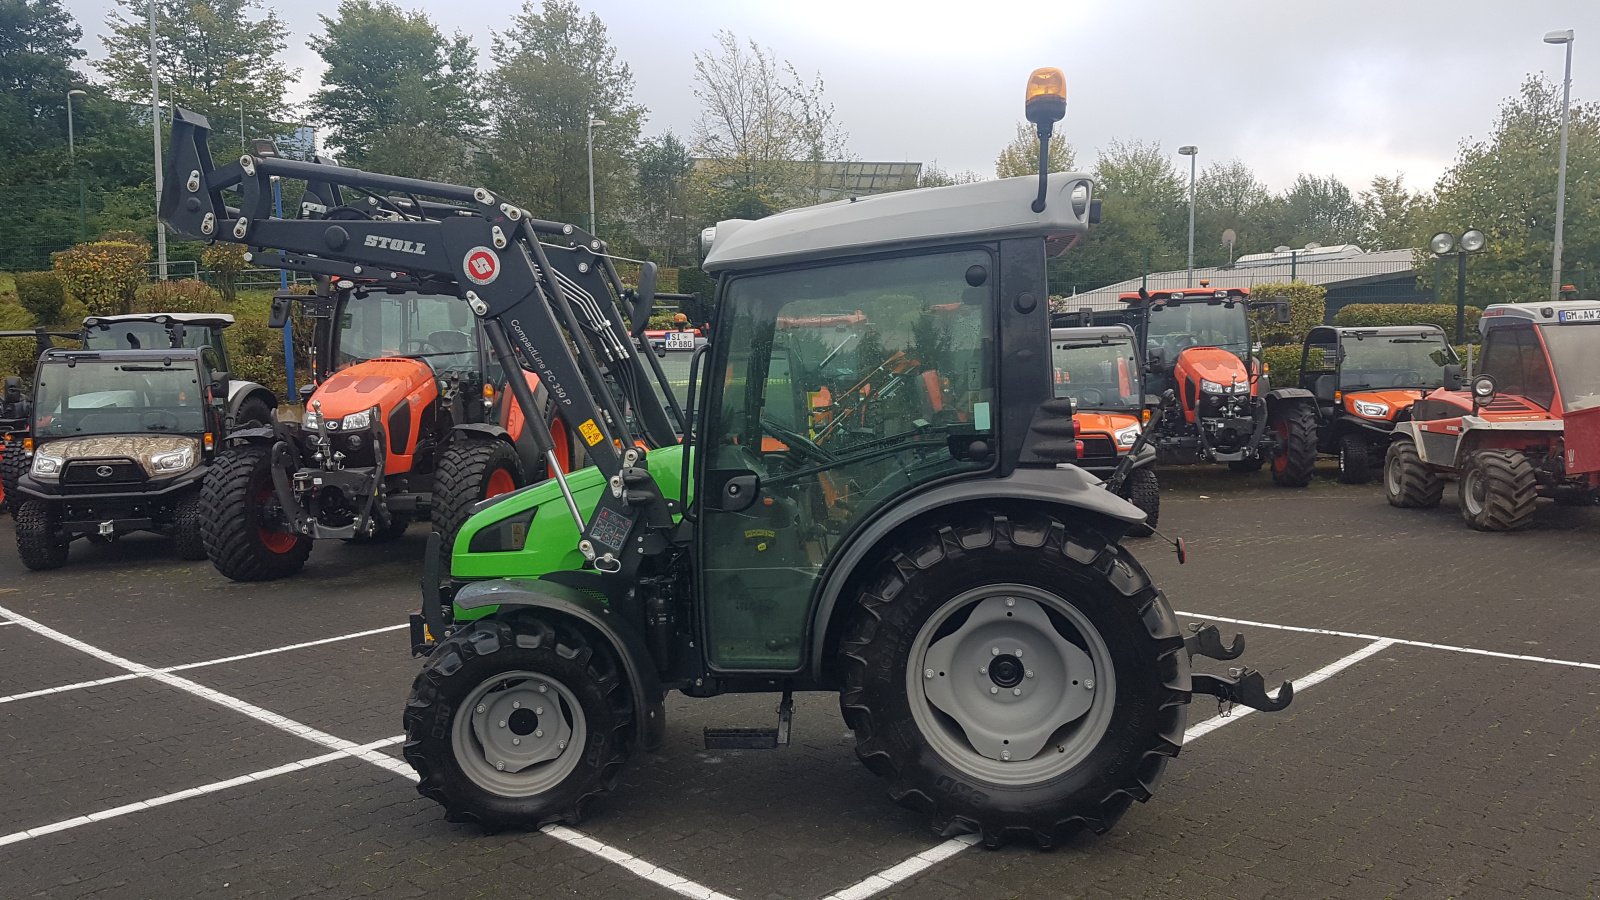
[(1497, 654), (17, 837), (28, 695), (875, 884)]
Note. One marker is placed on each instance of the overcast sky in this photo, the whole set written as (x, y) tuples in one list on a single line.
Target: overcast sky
[(1352, 88)]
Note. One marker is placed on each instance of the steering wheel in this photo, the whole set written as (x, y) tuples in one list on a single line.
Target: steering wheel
[(423, 345), (166, 418), (1090, 396), (798, 443)]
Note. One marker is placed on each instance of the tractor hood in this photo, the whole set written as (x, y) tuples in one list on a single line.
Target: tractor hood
[(1394, 400), (141, 448), (1212, 364), (1104, 423), (376, 382)]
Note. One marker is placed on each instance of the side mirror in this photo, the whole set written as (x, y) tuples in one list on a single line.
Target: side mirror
[(219, 386), (644, 298), (1452, 377), (13, 389), (307, 390), (278, 315), (732, 490), (1281, 312), (1155, 359)]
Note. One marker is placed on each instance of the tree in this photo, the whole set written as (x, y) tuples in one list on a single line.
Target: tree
[(1021, 156), (1315, 209), (1391, 215), (663, 165), (37, 46), (763, 132), (215, 57), (933, 176), (1227, 195), (554, 69), (1143, 224), (397, 96)]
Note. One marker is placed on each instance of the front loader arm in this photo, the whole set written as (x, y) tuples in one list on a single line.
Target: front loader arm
[(546, 292)]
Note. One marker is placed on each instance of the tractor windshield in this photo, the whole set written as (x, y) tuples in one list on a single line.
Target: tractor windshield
[(118, 397), (436, 329), (1572, 351), (1402, 361), (136, 335), (1098, 374), (1175, 327)]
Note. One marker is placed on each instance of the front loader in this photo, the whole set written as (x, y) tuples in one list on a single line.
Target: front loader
[(940, 564)]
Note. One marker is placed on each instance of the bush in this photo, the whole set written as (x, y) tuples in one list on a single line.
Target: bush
[(102, 275), (1370, 315), (1308, 307), (40, 293), (255, 353), (1283, 365), (227, 261), (14, 317), (184, 296)]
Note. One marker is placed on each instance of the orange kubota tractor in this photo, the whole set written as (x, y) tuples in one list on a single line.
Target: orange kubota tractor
[(408, 420)]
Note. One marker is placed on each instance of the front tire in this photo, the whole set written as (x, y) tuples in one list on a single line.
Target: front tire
[(1408, 482), (1143, 490), (1107, 705), (186, 538), (1498, 491), (518, 723), (242, 544), (39, 540), (13, 462), (470, 471), (1296, 456), (1355, 465)]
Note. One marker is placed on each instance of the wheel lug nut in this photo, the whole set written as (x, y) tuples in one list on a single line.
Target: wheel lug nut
[(983, 670), (538, 710), (481, 709), (927, 673), (1011, 601), (994, 690), (1016, 692), (1005, 754), (994, 651), (500, 765), (516, 704), (1017, 652), (538, 732), (1030, 673), (516, 742), (543, 688), (562, 745), (502, 723), (1088, 684)]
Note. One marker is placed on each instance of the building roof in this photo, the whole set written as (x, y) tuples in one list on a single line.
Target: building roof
[(1344, 265), (984, 210)]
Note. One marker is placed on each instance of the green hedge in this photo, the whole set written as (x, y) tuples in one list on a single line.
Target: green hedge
[(41, 293), (1308, 307), (183, 296), (1370, 315)]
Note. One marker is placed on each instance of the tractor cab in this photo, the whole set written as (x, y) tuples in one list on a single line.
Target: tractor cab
[(1099, 368), (248, 404)]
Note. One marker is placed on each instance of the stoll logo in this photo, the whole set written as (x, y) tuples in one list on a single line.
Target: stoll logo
[(384, 243)]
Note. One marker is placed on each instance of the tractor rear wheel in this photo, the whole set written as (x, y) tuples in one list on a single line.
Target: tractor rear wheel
[(186, 518), (1408, 482), (1012, 677), (1355, 463), (1498, 491), (1143, 490), (1296, 456), (13, 462), (518, 723), (470, 470), (39, 540), (241, 542)]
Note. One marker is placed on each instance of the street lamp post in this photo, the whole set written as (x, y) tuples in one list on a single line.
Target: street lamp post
[(1192, 152), (1445, 244), (1561, 37), (72, 150), (592, 123), (155, 130)]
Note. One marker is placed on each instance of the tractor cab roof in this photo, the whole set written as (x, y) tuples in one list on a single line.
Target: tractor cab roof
[(1561, 312), (1188, 295), (164, 355), (203, 320), (1328, 334), (962, 213), (1105, 334)]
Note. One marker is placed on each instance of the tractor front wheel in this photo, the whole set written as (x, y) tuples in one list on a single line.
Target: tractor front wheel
[(1296, 455), (470, 471), (238, 536), (518, 723), (1143, 490), (1408, 482), (1014, 677), (39, 540), (186, 518), (1355, 466), (1498, 491)]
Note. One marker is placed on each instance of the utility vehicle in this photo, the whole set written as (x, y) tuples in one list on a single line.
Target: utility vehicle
[(16, 416), (1199, 345), (1365, 380), (248, 404), (1527, 427), (1099, 367), (1005, 663), (119, 443)]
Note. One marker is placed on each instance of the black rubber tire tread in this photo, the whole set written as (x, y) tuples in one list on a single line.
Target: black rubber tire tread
[(529, 643), (254, 410), (1420, 486), (979, 546), (13, 462), (186, 519), (228, 520), (1143, 490), (1355, 460), (1246, 466), (37, 543), (460, 481), (1511, 491), (1300, 446)]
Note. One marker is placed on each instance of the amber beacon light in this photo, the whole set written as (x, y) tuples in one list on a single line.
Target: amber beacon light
[(1047, 95)]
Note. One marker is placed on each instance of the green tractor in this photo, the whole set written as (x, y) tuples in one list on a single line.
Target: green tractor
[(886, 510)]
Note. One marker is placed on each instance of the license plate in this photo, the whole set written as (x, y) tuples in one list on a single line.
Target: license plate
[(1579, 315), (680, 340)]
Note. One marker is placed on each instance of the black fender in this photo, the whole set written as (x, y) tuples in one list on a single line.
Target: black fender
[(532, 463), (1066, 488), (1289, 395), (266, 434), (625, 640)]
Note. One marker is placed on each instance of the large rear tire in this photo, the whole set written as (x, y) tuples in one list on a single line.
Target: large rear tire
[(39, 540), (1408, 482), (1497, 491), (1143, 490), (241, 542), (186, 538), (519, 723), (1296, 456), (1355, 462), (470, 471), (1042, 757)]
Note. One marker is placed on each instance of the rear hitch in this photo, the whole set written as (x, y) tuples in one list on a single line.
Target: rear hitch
[(1241, 687), (1207, 641)]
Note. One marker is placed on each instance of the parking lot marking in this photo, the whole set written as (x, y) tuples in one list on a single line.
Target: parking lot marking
[(19, 836), (42, 692), (875, 884), (650, 872), (1497, 654)]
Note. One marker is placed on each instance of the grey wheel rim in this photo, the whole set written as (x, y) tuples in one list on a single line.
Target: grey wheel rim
[(518, 734), (1391, 474), (1003, 716), (1473, 492)]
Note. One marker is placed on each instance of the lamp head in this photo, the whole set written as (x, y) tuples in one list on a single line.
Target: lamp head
[(1188, 150), (1442, 243), (1559, 37)]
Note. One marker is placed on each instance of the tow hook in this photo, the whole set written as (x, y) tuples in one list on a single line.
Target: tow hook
[(1241, 686)]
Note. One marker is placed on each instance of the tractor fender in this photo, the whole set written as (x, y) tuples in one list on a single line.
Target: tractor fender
[(266, 434), (1287, 395), (558, 599), (1066, 488), (1145, 456), (240, 391), (531, 462)]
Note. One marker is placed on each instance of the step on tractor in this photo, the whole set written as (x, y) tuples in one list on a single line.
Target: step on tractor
[(119, 442), (1199, 345), (16, 417), (1527, 426), (1365, 381), (1100, 369), (1006, 664)]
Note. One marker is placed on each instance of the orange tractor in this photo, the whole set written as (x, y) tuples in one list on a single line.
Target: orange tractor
[(1199, 346), (1527, 427), (1099, 368)]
